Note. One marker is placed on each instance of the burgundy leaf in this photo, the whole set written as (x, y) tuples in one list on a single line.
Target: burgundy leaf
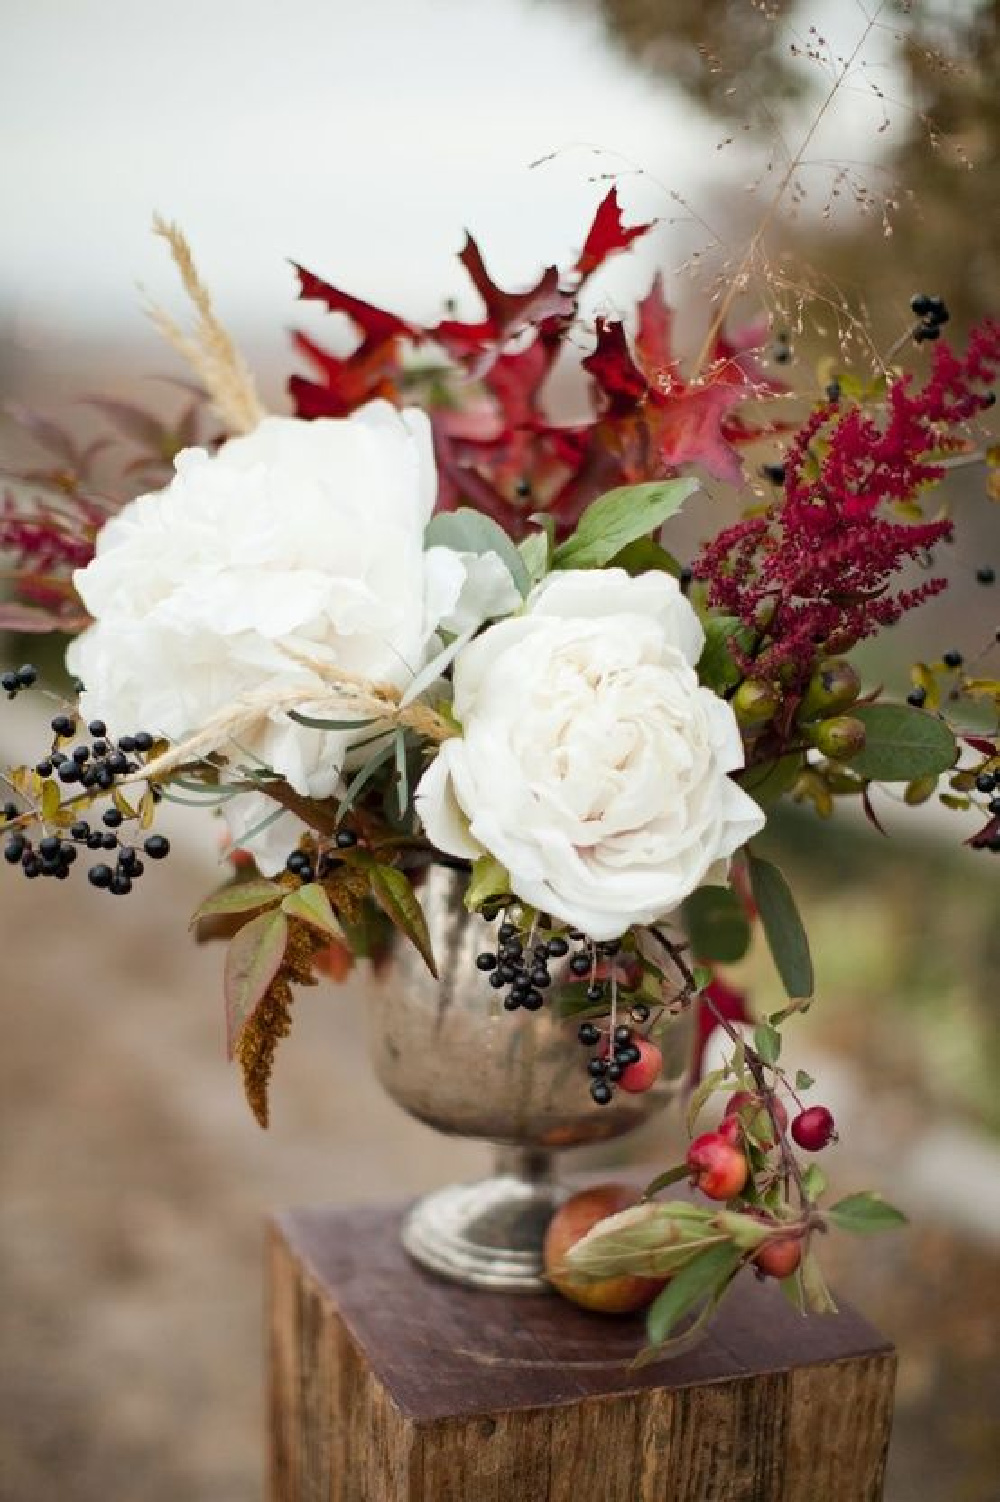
[(374, 323), (613, 368), (607, 235), (653, 333), (686, 427)]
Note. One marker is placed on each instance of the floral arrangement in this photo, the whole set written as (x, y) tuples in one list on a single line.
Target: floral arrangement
[(420, 620)]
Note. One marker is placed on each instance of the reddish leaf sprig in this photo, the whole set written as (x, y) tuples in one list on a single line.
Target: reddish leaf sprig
[(496, 447)]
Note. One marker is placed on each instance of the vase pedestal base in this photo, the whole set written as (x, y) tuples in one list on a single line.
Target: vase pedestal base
[(388, 1382), (489, 1234), (486, 1235)]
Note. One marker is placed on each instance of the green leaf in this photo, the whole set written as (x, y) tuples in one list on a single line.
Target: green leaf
[(243, 897), (704, 1278), (643, 555), (716, 1079), (621, 516), (489, 879), (865, 1213), (536, 549), (817, 1296), (364, 775), (902, 743), (320, 724), (664, 1180), (252, 961), (648, 1239), (803, 1081), (716, 924), (744, 1231), (716, 668), (392, 891), (767, 1042), (814, 1182), (402, 777), (768, 783), (312, 905), (783, 929), (468, 531)]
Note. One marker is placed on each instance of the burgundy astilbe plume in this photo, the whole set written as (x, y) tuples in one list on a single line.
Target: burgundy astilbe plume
[(815, 570)]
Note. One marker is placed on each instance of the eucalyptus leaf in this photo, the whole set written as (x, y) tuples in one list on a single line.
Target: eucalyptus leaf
[(621, 516), (901, 743), (783, 928), (314, 723), (364, 775), (716, 924), (468, 531)]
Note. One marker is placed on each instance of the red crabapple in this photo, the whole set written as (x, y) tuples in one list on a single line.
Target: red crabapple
[(719, 1169), (813, 1129)]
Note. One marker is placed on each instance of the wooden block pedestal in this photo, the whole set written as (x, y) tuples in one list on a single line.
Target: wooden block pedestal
[(388, 1383)]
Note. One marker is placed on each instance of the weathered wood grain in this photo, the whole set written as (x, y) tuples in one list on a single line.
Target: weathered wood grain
[(387, 1383)]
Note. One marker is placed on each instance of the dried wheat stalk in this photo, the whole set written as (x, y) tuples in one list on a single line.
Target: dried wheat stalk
[(349, 697), (209, 350)]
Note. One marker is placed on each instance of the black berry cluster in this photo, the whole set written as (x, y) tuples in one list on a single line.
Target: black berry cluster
[(616, 1050), (310, 867), (12, 683), (43, 846), (932, 315), (521, 968)]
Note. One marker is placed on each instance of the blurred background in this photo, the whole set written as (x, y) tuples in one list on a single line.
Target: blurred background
[(361, 142)]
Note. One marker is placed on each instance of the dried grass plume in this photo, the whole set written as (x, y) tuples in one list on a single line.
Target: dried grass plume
[(208, 349)]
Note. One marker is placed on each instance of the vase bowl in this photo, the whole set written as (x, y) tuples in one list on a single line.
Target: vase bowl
[(449, 1054)]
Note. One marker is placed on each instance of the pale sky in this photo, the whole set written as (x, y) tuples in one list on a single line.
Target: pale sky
[(359, 138)]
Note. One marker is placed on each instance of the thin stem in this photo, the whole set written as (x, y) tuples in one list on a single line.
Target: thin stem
[(738, 280)]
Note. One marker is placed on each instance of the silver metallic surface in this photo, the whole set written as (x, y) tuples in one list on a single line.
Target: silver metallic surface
[(448, 1053)]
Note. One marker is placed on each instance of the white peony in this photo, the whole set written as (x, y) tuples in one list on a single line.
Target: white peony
[(302, 535), (592, 764)]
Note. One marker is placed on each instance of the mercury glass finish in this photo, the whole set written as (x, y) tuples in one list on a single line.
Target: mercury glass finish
[(447, 1052)]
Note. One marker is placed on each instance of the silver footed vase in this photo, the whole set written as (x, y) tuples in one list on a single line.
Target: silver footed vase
[(449, 1054)]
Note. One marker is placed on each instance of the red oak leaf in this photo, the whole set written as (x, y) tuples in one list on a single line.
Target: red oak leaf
[(607, 235), (614, 370), (373, 323), (653, 334), (506, 312), (686, 427), (348, 382)]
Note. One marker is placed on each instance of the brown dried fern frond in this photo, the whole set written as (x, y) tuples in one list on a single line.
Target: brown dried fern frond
[(208, 349), (272, 1017)]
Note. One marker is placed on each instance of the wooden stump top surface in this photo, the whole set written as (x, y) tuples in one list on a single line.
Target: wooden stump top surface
[(444, 1351)]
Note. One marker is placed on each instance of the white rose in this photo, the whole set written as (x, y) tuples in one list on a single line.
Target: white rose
[(302, 535), (592, 764)]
